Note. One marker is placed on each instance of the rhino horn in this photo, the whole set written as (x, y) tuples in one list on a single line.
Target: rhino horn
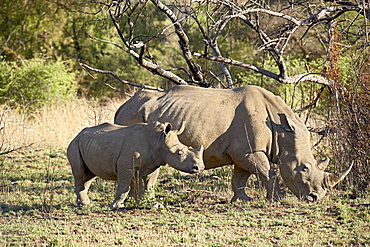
[(182, 128), (323, 164), (334, 178)]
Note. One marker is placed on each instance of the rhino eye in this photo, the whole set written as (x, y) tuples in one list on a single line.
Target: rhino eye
[(305, 168), (180, 152)]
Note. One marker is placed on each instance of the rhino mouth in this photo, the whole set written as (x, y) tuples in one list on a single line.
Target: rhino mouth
[(195, 169), (312, 197)]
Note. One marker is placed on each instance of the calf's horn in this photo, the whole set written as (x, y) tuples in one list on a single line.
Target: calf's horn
[(334, 178)]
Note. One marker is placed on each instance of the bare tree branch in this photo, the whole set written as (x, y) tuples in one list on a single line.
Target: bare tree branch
[(286, 80), (269, 12), (213, 44), (240, 64), (154, 68), (331, 12), (184, 43), (212, 17), (118, 78), (307, 77)]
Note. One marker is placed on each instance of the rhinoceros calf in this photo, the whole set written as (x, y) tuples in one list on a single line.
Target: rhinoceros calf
[(115, 152), (248, 126)]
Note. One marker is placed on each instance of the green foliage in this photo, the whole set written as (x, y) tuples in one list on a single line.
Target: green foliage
[(36, 82), (38, 29), (29, 29), (111, 58)]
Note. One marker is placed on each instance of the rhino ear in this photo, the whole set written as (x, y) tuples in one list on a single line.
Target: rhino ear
[(167, 128), (323, 164), (292, 125), (164, 128), (287, 123)]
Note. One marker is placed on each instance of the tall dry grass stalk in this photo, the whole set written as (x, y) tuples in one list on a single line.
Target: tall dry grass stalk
[(52, 126)]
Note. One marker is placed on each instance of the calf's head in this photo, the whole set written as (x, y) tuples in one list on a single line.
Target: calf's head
[(176, 154)]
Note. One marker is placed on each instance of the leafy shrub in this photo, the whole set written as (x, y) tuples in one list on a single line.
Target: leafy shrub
[(350, 116), (36, 82)]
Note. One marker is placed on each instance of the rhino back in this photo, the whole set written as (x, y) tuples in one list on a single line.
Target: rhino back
[(136, 109), (107, 147)]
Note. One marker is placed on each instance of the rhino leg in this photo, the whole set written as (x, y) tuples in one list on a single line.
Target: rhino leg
[(83, 177), (257, 163), (124, 178), (238, 183), (82, 185), (149, 182)]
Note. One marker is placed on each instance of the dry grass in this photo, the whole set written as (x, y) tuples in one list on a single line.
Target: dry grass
[(52, 126)]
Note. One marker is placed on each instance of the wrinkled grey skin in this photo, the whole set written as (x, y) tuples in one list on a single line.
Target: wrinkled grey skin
[(248, 126), (120, 153)]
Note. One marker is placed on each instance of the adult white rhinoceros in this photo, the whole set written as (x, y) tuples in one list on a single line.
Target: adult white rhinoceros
[(120, 153), (248, 126)]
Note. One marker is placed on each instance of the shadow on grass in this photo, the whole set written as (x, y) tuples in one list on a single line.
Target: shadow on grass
[(25, 209)]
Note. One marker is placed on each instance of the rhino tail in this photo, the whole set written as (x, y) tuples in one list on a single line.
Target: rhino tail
[(75, 157)]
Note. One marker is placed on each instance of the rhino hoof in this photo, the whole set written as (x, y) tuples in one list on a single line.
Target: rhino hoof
[(82, 203), (157, 205), (117, 206), (243, 198)]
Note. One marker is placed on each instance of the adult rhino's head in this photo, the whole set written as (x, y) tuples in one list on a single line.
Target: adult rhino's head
[(310, 182), (303, 175), (176, 154)]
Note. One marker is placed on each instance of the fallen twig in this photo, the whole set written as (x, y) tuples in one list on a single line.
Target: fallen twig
[(15, 149)]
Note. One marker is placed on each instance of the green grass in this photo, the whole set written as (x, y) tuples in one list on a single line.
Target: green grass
[(37, 209)]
